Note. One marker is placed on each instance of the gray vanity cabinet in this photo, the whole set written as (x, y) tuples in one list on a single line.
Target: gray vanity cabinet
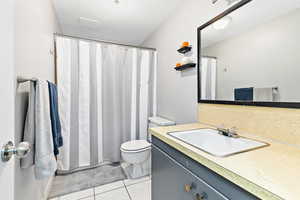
[(177, 177), (173, 182)]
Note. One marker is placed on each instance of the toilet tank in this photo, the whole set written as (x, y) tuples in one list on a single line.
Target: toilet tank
[(159, 121)]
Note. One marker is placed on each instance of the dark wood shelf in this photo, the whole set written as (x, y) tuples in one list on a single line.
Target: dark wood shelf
[(184, 50), (186, 66)]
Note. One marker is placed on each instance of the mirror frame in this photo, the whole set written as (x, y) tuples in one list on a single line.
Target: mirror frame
[(244, 103)]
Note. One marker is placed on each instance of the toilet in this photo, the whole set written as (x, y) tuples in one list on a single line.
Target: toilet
[(137, 153)]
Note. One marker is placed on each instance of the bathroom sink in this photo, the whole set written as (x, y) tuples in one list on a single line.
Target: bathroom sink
[(210, 141)]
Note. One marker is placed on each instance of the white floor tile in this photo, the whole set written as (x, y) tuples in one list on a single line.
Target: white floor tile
[(128, 182), (78, 195), (118, 194), (140, 191), (109, 187), (89, 198)]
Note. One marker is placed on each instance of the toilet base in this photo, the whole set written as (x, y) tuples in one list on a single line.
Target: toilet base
[(136, 171)]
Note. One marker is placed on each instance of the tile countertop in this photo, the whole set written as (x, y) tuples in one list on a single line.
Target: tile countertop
[(271, 173)]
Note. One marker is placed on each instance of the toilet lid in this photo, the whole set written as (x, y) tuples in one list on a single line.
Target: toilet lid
[(135, 145)]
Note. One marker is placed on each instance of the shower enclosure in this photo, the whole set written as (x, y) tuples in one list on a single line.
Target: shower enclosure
[(106, 94)]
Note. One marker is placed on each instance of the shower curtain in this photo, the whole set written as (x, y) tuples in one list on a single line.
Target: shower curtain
[(106, 94), (208, 78)]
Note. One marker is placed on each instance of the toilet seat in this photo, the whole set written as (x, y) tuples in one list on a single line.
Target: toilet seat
[(135, 146)]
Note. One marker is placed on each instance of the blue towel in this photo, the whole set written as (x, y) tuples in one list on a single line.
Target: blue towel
[(55, 121), (243, 94)]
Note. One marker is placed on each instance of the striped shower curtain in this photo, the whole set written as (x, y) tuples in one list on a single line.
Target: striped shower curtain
[(106, 94), (208, 78)]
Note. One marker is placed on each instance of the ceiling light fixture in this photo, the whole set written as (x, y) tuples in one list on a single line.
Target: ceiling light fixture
[(116, 1), (222, 23), (87, 20)]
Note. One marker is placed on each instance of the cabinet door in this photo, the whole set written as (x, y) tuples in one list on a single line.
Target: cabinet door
[(171, 181)]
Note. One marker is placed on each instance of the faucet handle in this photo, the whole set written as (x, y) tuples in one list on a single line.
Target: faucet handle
[(233, 129), (233, 132)]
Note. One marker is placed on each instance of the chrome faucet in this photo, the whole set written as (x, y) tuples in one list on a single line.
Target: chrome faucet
[(229, 132)]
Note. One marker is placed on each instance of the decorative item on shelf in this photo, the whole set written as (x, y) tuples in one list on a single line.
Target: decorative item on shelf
[(185, 47), (178, 64), (187, 61), (186, 66)]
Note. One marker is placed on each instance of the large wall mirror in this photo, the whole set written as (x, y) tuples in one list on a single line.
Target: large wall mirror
[(250, 55)]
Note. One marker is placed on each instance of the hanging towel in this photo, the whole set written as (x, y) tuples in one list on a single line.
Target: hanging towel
[(55, 121), (45, 163), (38, 132), (263, 94), (243, 94), (29, 129)]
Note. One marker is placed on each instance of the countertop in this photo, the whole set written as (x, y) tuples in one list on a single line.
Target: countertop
[(271, 173)]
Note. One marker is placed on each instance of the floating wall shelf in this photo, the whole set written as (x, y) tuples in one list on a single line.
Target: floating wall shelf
[(186, 66), (184, 50)]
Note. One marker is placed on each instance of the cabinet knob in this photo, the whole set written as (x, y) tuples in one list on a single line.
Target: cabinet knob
[(188, 187), (201, 196)]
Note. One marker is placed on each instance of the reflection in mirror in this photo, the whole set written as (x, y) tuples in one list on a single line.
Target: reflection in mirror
[(253, 54)]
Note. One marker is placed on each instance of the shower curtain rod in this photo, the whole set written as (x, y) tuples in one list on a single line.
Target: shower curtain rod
[(21, 79), (102, 41)]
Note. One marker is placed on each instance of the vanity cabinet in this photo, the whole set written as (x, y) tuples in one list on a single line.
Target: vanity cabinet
[(177, 177)]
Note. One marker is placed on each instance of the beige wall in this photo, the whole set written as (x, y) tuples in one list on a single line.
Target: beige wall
[(35, 24), (280, 124), (177, 91)]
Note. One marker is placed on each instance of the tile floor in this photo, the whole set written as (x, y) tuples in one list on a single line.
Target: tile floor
[(139, 189)]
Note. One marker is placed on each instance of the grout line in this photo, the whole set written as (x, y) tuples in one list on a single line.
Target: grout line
[(85, 197), (124, 183), (124, 186), (142, 181), (127, 191), (94, 193)]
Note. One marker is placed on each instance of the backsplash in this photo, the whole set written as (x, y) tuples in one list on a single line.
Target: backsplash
[(281, 124)]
